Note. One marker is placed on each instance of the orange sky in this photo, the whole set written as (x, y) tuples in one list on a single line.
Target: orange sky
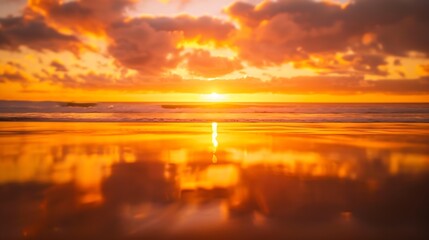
[(184, 50)]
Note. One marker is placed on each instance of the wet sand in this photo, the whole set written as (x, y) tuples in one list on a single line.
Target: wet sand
[(214, 180)]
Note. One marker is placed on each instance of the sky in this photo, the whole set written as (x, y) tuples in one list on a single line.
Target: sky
[(186, 50)]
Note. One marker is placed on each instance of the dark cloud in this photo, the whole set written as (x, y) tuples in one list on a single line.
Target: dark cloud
[(151, 45), (85, 15), (290, 30), (35, 34), (400, 25), (295, 85), (15, 65), (202, 29), (324, 85), (397, 62), (202, 63), (367, 63), (12, 76), (139, 46), (287, 30), (58, 66), (147, 44), (309, 14)]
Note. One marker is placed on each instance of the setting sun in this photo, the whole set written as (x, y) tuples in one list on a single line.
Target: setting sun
[(214, 97)]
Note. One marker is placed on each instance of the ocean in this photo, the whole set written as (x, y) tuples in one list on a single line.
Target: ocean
[(217, 112), (213, 171)]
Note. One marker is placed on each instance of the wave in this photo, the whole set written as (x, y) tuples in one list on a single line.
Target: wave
[(118, 107), (220, 112), (232, 117)]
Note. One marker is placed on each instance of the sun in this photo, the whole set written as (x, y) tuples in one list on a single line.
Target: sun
[(214, 97)]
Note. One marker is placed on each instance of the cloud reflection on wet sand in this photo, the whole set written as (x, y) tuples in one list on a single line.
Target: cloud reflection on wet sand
[(128, 181)]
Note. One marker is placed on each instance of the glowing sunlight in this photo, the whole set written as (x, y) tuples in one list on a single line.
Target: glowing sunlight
[(214, 97)]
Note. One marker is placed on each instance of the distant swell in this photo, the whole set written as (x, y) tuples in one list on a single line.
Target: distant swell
[(319, 119), (24, 111)]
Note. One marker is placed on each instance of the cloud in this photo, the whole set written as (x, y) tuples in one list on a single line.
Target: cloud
[(325, 85), (367, 63), (35, 34), (275, 32), (202, 63), (151, 44), (280, 31), (15, 65), (399, 25), (295, 85), (425, 68), (203, 29), (12, 72), (12, 77), (84, 15), (347, 45), (58, 66), (139, 46)]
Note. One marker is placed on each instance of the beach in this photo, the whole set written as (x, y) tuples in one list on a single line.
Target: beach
[(214, 180), (214, 120)]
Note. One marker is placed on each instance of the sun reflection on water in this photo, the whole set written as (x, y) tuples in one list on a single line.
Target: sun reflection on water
[(214, 141)]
